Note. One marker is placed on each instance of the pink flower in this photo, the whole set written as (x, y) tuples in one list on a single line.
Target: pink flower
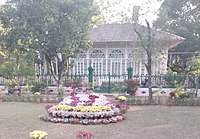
[(122, 105), (84, 135), (48, 106), (172, 94)]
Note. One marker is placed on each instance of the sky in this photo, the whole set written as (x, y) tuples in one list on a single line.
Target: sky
[(124, 7), (2, 1)]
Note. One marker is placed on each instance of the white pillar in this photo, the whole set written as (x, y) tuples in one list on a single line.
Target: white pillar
[(56, 66)]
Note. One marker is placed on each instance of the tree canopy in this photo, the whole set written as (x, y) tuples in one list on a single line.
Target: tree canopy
[(181, 17), (50, 30)]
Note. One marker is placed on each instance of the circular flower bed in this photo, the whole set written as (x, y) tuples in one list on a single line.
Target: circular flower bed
[(84, 109)]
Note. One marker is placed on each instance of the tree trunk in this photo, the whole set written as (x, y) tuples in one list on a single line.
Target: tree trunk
[(149, 76), (17, 63), (149, 60)]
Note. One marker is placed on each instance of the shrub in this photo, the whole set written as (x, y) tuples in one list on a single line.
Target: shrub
[(11, 83), (118, 87), (38, 86), (179, 92), (173, 79), (132, 86)]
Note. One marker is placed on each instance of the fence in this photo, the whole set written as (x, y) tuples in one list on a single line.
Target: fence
[(107, 83)]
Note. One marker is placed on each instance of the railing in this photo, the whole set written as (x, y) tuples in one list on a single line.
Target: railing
[(169, 81)]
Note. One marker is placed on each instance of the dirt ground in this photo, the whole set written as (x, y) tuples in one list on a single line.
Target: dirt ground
[(143, 122)]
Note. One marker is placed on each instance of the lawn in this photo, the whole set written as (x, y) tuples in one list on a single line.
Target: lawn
[(143, 122)]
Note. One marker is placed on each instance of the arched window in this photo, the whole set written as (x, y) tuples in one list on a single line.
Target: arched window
[(97, 54), (116, 54), (82, 54), (131, 54)]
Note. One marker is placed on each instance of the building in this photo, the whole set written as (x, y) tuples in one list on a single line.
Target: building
[(115, 48)]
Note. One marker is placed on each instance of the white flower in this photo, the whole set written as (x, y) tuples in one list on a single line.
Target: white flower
[(37, 93)]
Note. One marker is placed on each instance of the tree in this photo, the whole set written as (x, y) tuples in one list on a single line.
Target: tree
[(153, 45), (181, 17), (148, 48), (54, 30), (193, 65)]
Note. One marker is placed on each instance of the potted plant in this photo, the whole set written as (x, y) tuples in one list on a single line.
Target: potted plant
[(122, 107), (37, 97), (122, 98)]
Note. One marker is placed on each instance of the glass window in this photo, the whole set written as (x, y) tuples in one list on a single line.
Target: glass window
[(97, 54), (131, 54), (82, 54), (116, 54)]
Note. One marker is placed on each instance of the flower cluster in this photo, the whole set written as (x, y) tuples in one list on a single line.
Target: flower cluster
[(122, 98), (48, 106), (122, 107), (84, 135), (37, 93), (172, 94), (85, 99), (82, 108), (84, 119), (38, 134)]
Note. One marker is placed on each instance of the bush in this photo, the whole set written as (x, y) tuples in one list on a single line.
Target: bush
[(76, 82), (132, 86), (173, 79), (118, 87), (11, 83), (38, 86), (179, 92)]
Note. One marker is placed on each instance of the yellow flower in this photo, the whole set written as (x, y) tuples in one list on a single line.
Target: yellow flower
[(38, 134), (122, 98), (82, 108)]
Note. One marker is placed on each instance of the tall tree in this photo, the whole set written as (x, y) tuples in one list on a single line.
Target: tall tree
[(181, 17), (54, 29), (154, 48), (147, 44)]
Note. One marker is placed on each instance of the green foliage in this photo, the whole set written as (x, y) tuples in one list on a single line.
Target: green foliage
[(193, 66), (118, 87), (47, 26), (11, 83), (180, 93), (6, 69), (181, 17), (29, 81), (115, 87), (173, 79), (26, 70), (38, 86)]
